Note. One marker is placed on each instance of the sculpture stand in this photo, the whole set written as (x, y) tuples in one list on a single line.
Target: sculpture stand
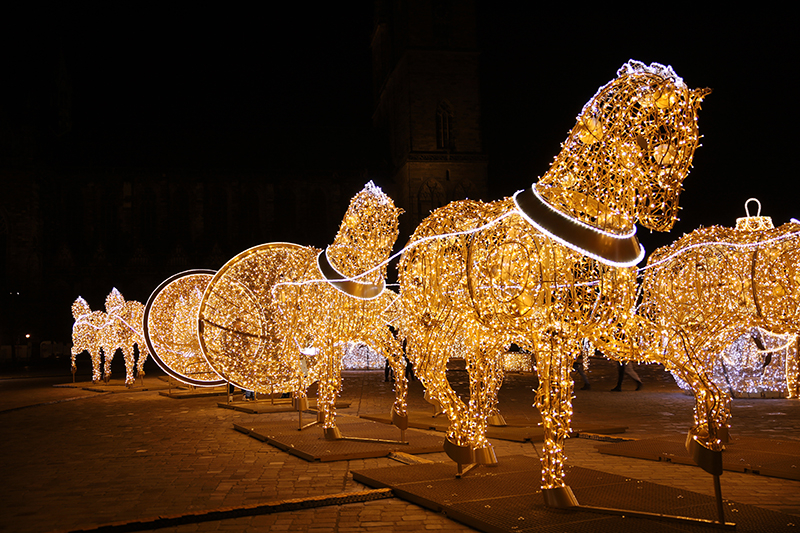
[(711, 462), (467, 458), (401, 421), (301, 404), (560, 497), (496, 420), (333, 433)]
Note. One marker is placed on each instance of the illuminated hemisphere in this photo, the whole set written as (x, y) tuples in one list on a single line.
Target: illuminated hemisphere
[(721, 307)]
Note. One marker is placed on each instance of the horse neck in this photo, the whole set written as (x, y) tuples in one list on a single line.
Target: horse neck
[(607, 202)]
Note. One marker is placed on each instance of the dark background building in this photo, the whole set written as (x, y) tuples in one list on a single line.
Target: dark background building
[(135, 144)]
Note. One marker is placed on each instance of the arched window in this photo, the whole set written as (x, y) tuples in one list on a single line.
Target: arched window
[(444, 127), (431, 196), (463, 189)]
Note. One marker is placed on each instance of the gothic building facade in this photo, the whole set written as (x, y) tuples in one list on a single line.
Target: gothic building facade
[(81, 213), (426, 86)]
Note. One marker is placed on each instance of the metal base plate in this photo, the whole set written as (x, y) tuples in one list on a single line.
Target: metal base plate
[(311, 444), (184, 394), (516, 430), (774, 458), (508, 498), (282, 405)]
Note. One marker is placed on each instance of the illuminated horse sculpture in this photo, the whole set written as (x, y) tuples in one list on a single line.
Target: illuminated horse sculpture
[(278, 316), (550, 266), (102, 333), (702, 293), (124, 328), (87, 336)]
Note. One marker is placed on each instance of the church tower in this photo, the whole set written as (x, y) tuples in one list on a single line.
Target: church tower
[(427, 103)]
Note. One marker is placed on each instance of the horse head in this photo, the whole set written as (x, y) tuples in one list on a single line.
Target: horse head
[(628, 153), (366, 236), (80, 308), (115, 302)]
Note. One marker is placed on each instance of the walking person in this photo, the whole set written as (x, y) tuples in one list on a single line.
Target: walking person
[(579, 364), (624, 367)]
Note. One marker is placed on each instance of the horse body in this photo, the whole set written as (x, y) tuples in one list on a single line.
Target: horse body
[(87, 335), (550, 266), (123, 330), (500, 282)]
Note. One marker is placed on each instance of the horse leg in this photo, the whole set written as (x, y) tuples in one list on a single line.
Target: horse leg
[(97, 365), (142, 358), (431, 370), (554, 401), (400, 406), (709, 431), (108, 358), (127, 354), (485, 377), (330, 382), (392, 350)]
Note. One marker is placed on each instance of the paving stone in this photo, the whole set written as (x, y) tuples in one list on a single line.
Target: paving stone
[(81, 463)]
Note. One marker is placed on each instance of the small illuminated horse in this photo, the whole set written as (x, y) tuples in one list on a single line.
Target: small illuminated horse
[(87, 336), (550, 266), (702, 293), (278, 316), (123, 329)]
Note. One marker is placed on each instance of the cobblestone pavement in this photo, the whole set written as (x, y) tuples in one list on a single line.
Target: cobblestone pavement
[(72, 459)]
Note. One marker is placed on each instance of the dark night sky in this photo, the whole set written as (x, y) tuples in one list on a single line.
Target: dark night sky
[(134, 73)]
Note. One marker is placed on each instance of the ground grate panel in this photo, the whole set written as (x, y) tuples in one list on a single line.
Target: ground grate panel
[(311, 445), (281, 405), (506, 497), (767, 457), (516, 430)]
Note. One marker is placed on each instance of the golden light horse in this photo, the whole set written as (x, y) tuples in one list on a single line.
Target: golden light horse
[(124, 328), (102, 333), (552, 265), (87, 336)]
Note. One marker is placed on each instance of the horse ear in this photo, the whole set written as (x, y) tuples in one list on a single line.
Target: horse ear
[(697, 95), (80, 308)]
